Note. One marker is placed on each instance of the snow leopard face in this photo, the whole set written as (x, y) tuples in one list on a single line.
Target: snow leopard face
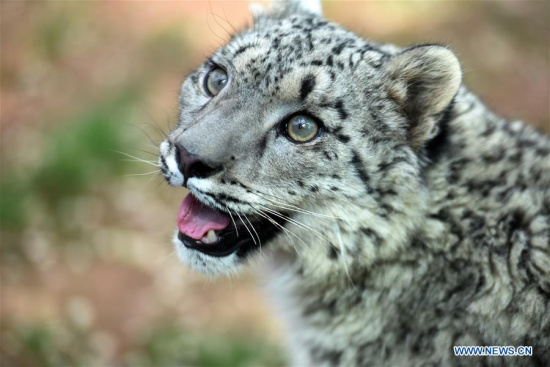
[(299, 136)]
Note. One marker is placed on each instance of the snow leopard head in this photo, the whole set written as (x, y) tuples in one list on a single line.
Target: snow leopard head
[(300, 138)]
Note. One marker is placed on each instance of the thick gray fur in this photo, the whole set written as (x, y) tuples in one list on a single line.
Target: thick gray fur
[(420, 219)]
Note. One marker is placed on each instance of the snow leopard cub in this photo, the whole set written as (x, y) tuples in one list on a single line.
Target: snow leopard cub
[(395, 215)]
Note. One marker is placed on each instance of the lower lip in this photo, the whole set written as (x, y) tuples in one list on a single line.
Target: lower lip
[(217, 249)]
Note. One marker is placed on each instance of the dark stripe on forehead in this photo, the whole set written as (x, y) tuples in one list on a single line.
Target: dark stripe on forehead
[(361, 172), (241, 50), (341, 110), (308, 83)]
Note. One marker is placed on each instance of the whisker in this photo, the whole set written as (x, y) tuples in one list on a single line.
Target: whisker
[(137, 158), (290, 206), (143, 160), (285, 230), (254, 229), (233, 220), (143, 174), (245, 226), (153, 177), (148, 152), (151, 140), (299, 224)]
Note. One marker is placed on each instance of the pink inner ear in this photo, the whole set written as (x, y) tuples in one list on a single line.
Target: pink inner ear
[(195, 219)]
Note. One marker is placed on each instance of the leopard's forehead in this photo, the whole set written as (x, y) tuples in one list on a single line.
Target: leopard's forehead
[(275, 47)]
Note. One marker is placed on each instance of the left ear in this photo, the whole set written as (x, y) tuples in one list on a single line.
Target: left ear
[(289, 7), (423, 80)]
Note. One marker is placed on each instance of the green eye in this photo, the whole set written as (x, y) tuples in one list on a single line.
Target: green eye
[(216, 81), (302, 128)]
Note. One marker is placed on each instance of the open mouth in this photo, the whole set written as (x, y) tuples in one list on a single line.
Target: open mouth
[(216, 233)]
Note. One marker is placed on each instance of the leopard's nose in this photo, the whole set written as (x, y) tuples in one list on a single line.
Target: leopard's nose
[(192, 165)]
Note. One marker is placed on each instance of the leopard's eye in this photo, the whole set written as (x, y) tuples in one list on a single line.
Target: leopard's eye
[(302, 128), (215, 81)]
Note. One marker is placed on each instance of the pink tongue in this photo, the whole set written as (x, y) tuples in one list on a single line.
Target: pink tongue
[(196, 219)]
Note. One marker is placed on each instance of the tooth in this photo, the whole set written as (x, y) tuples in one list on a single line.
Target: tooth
[(211, 235)]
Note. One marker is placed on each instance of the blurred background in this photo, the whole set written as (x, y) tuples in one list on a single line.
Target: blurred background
[(88, 273)]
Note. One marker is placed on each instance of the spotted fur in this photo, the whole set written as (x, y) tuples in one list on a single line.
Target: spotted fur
[(419, 219)]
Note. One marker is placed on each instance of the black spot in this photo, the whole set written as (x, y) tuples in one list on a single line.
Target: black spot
[(335, 176), (308, 83), (317, 63), (314, 189), (310, 41), (372, 234), (338, 48), (542, 151), (262, 146), (341, 111), (300, 183), (327, 155), (330, 61), (489, 130), (324, 357), (333, 252), (343, 138), (241, 50), (480, 283), (221, 197), (515, 221), (390, 192), (493, 156), (360, 169), (334, 188)]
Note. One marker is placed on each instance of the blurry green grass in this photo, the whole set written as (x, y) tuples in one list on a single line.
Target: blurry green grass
[(84, 152), (77, 155), (170, 345), (47, 345)]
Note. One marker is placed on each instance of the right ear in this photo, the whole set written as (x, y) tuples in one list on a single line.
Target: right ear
[(423, 80)]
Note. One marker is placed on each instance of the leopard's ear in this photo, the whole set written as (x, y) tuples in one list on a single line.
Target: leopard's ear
[(423, 80)]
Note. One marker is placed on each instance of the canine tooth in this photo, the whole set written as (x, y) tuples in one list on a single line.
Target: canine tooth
[(211, 235)]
